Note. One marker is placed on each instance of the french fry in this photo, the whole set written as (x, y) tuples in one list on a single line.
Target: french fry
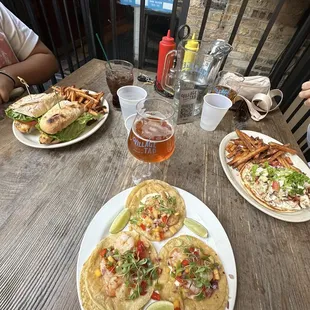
[(81, 94), (229, 146), (247, 148), (91, 101), (250, 155), (231, 154), (237, 157), (245, 139), (73, 96), (283, 162), (93, 112), (99, 96), (289, 161), (241, 166), (275, 156), (283, 148)]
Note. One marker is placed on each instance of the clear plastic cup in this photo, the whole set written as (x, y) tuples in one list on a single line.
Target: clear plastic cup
[(214, 108), (129, 121), (129, 96)]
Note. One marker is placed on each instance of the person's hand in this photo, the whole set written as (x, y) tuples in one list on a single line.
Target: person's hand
[(6, 86), (305, 93)]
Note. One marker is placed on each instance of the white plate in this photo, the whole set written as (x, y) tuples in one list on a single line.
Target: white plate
[(196, 209), (234, 178), (32, 139)]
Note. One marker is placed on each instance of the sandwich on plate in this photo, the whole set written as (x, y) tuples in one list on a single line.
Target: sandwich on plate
[(26, 111), (63, 122)]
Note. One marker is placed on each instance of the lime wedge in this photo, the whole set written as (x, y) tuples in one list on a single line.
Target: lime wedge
[(196, 227), (161, 305), (120, 221)]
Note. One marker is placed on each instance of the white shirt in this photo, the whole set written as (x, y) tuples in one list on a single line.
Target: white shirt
[(17, 41)]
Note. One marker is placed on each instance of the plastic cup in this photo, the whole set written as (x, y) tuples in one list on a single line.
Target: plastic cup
[(129, 121), (129, 96), (214, 108)]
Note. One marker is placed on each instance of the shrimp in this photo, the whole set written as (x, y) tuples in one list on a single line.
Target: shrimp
[(192, 289), (112, 284), (110, 280), (124, 243), (176, 256), (173, 220)]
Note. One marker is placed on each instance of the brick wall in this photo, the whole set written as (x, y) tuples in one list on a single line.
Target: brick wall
[(221, 19)]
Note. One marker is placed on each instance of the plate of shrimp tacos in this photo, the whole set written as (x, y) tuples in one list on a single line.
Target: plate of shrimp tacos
[(154, 257)]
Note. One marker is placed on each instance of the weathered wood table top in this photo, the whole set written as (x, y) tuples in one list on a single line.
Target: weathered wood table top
[(48, 198)]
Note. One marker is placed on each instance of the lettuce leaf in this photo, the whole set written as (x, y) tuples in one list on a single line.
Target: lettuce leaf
[(73, 130), (18, 116)]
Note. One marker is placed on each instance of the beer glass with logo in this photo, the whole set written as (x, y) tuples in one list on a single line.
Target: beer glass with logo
[(228, 84), (152, 138)]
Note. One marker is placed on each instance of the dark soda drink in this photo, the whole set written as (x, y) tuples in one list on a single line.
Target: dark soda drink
[(118, 74)]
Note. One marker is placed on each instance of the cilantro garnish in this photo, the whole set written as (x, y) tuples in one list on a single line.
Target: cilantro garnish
[(135, 271)]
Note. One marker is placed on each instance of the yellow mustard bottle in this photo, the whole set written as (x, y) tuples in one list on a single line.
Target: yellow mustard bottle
[(191, 47)]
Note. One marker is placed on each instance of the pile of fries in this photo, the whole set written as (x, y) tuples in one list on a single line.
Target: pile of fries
[(90, 101), (249, 149)]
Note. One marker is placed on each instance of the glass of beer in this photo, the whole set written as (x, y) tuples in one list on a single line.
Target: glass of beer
[(228, 84), (151, 138)]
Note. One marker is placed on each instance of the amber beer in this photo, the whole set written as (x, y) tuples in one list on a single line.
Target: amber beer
[(225, 91), (151, 140)]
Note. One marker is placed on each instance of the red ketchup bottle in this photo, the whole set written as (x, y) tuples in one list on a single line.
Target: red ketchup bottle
[(166, 45)]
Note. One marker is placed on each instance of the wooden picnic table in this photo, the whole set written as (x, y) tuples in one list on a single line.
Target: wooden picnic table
[(49, 197)]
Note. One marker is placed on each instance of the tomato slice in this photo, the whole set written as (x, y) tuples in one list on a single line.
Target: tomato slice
[(103, 252), (185, 262), (140, 249), (31, 123), (165, 219), (143, 287), (111, 268), (161, 235), (180, 280), (142, 226), (275, 186), (155, 296)]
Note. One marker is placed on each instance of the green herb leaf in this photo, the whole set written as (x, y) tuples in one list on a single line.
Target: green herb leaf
[(18, 116)]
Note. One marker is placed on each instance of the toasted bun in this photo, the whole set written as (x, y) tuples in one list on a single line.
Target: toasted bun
[(60, 116), (36, 104), (24, 127)]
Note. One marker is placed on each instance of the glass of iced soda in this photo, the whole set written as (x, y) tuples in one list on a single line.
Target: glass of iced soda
[(118, 73)]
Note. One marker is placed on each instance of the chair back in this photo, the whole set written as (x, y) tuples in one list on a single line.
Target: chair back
[(298, 118)]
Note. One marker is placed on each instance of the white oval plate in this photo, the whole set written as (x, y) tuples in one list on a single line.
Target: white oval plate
[(196, 209), (32, 139), (234, 178)]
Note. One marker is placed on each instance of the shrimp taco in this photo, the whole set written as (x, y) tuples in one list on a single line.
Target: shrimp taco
[(120, 273), (193, 273), (157, 210), (277, 188)]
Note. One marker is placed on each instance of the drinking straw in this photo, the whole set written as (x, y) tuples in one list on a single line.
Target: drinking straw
[(103, 50)]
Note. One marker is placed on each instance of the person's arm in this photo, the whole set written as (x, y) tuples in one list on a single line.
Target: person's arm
[(37, 68), (305, 93)]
